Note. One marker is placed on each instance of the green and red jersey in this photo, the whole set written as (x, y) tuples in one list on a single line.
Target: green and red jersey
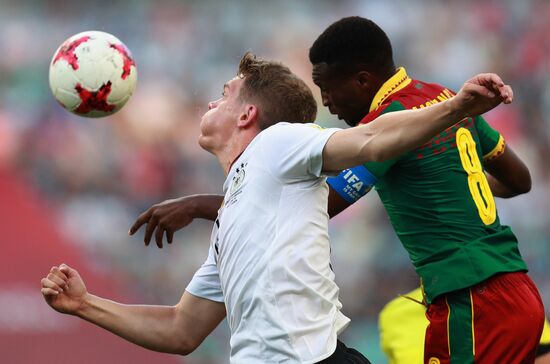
[(437, 197)]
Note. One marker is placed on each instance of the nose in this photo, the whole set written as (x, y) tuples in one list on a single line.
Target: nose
[(214, 104)]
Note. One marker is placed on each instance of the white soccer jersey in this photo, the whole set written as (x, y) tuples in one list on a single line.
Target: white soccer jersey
[(269, 258)]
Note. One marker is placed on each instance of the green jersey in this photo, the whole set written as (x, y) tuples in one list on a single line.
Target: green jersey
[(437, 196)]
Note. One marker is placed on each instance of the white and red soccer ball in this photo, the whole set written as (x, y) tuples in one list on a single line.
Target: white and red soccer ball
[(93, 74)]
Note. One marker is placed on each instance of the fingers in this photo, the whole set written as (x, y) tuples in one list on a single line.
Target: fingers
[(151, 225), (155, 220), (142, 219), (68, 271), (59, 277), (481, 90), (507, 94), (494, 83), (48, 292), (158, 236), (488, 80), (55, 282), (169, 236), (48, 283)]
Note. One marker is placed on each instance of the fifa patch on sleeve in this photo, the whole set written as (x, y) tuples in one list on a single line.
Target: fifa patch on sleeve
[(353, 183)]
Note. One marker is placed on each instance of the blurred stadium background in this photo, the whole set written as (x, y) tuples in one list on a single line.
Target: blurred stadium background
[(70, 187)]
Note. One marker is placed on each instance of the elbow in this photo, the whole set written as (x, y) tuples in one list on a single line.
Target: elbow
[(372, 152), (186, 347), (524, 187), (524, 184), (378, 155), (519, 189)]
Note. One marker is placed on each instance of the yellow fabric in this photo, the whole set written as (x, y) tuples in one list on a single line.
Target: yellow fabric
[(402, 325), (497, 150), (394, 84), (545, 338)]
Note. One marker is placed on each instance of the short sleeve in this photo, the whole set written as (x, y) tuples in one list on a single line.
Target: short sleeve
[(294, 152), (206, 281), (491, 141)]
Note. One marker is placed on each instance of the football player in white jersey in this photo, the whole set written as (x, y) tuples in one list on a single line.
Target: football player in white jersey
[(268, 267)]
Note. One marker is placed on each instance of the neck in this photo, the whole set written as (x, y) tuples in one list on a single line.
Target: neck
[(233, 150), (385, 77)]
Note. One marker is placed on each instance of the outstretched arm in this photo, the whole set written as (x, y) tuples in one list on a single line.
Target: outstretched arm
[(393, 134), (175, 329), (172, 215)]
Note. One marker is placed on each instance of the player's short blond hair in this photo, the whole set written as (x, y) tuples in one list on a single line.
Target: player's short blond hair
[(279, 94)]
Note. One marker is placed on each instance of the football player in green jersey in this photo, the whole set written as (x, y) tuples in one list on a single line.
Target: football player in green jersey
[(482, 306)]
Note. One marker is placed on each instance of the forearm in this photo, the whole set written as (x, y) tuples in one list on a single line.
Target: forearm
[(153, 327), (387, 137), (206, 206), (395, 133)]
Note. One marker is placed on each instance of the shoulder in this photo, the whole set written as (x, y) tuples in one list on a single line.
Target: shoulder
[(285, 131)]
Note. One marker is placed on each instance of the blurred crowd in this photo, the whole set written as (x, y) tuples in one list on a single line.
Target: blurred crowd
[(99, 174)]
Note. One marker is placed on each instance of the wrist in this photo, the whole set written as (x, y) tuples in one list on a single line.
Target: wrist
[(454, 110), (85, 305)]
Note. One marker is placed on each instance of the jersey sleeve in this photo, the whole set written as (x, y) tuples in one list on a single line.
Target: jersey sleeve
[(294, 152), (491, 141), (206, 281), (354, 183)]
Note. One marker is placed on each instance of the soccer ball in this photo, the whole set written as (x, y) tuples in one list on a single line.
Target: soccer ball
[(92, 74)]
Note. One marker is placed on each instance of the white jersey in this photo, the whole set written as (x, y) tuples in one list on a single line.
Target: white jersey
[(269, 258)]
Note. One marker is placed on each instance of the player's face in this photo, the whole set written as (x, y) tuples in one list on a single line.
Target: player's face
[(343, 93), (218, 123)]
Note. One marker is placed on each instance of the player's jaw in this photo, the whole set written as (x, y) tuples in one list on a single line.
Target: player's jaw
[(218, 122), (347, 106), (342, 94)]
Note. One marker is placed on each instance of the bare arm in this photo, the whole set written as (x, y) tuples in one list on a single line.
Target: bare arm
[(507, 175), (543, 359), (173, 329), (172, 215), (336, 203), (393, 134), (176, 329)]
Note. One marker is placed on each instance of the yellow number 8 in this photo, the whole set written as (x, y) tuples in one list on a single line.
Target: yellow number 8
[(479, 187)]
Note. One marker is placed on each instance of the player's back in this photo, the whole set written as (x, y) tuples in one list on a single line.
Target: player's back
[(439, 201)]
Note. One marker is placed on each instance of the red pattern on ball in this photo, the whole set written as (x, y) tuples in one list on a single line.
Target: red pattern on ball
[(66, 52), (126, 57), (94, 100)]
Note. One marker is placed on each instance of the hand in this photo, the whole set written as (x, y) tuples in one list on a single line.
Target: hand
[(63, 289), (168, 216), (481, 94)]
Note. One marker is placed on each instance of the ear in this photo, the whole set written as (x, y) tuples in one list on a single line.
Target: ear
[(249, 117), (364, 79)]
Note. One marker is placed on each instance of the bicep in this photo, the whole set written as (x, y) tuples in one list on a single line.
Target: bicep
[(197, 317), (345, 149)]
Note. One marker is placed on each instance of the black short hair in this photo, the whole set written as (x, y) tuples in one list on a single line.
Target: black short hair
[(354, 40)]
